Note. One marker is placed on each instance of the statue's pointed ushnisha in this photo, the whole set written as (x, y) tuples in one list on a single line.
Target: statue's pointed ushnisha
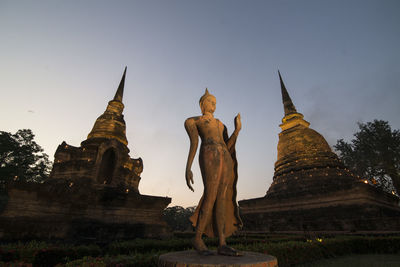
[(120, 91), (206, 94), (287, 101)]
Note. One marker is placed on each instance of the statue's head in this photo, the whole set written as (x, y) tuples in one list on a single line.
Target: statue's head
[(207, 103)]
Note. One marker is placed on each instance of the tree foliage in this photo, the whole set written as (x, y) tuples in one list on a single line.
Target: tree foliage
[(177, 218), (374, 153), (21, 158)]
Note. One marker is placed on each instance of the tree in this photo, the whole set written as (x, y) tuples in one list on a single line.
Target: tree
[(21, 158), (374, 153), (177, 218)]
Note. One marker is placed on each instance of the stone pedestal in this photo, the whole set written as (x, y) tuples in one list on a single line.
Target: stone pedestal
[(191, 258)]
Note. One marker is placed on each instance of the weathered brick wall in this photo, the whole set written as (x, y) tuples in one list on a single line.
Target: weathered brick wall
[(361, 208), (38, 212)]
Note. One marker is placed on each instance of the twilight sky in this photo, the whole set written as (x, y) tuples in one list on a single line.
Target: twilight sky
[(61, 62)]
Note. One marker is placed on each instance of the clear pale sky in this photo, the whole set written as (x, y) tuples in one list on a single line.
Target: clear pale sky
[(61, 62)]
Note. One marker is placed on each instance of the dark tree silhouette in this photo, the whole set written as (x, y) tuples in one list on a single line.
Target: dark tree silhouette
[(177, 218), (374, 153), (21, 158)]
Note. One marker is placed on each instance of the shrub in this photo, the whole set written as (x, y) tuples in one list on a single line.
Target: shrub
[(147, 245), (140, 260), (7, 255), (145, 252), (85, 262), (90, 250), (52, 256), (295, 252)]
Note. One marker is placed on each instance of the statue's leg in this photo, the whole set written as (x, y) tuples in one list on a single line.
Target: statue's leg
[(221, 207), (206, 211), (211, 169)]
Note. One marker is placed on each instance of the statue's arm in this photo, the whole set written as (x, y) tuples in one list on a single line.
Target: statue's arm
[(191, 129), (231, 141)]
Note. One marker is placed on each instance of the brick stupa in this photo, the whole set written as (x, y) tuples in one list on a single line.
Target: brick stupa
[(313, 191), (104, 156), (92, 192)]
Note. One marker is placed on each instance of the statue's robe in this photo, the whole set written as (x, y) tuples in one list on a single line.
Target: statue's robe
[(232, 218)]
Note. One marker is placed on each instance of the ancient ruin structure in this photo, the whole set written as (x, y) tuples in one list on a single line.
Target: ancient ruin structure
[(92, 192), (313, 191), (104, 156)]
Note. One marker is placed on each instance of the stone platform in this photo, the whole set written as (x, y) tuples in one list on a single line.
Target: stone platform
[(191, 258)]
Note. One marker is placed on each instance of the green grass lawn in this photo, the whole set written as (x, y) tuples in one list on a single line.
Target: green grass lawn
[(369, 260)]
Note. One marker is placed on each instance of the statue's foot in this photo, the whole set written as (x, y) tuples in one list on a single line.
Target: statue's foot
[(228, 251), (201, 248)]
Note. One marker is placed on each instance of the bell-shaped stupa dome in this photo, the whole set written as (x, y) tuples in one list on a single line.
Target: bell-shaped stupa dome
[(305, 160)]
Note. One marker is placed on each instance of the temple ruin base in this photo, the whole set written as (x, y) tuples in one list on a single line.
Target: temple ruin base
[(93, 213)]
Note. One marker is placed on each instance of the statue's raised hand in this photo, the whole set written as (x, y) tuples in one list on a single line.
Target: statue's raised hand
[(189, 179), (238, 123)]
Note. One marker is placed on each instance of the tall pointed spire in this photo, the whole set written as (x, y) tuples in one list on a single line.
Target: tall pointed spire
[(287, 101), (120, 91), (292, 118), (111, 123)]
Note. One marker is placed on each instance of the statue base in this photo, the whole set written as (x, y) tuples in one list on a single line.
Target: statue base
[(191, 258)]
